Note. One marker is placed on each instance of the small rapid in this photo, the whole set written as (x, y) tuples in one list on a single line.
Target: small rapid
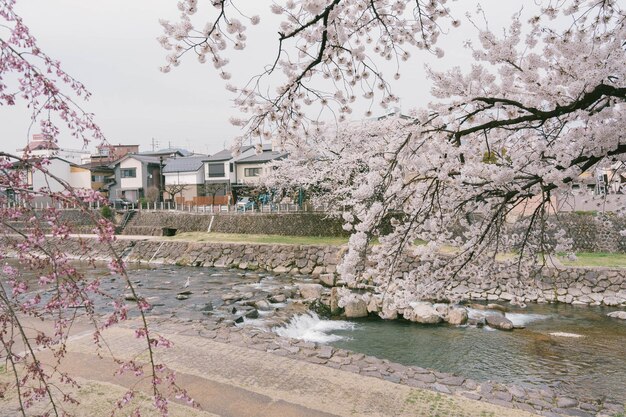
[(311, 328)]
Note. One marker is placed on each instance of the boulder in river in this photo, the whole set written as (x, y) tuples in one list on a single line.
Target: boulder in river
[(457, 316), (252, 314), (618, 315), (278, 298), (499, 322), (355, 308), (310, 291), (422, 312), (262, 305), (499, 307)]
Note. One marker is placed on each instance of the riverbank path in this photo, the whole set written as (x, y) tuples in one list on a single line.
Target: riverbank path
[(235, 381)]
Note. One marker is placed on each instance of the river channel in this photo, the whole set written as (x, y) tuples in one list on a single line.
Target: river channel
[(577, 351)]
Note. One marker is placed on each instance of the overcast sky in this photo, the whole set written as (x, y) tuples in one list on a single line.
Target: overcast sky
[(111, 47)]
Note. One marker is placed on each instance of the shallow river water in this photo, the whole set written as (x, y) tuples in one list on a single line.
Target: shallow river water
[(577, 351)]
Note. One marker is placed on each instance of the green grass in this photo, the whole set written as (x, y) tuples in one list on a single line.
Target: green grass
[(614, 260), (266, 239)]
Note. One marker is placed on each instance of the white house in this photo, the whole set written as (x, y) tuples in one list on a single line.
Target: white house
[(220, 173), (249, 169), (45, 147), (59, 172), (135, 176), (184, 177)]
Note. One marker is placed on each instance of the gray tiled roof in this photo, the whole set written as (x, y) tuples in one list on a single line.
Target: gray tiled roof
[(265, 156), (168, 151), (226, 154), (145, 158), (188, 164)]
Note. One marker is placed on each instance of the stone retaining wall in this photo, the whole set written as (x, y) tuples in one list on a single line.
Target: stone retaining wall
[(589, 232), (150, 223), (584, 286)]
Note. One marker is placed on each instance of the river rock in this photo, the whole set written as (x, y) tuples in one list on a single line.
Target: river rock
[(252, 314), (422, 312), (499, 322), (442, 309), (498, 307), (278, 298), (476, 321), (231, 297), (618, 315), (334, 301), (457, 316), (328, 279), (355, 308), (182, 296), (262, 305), (310, 291), (372, 306)]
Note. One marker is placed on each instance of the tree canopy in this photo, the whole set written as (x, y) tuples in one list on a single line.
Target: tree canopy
[(549, 89)]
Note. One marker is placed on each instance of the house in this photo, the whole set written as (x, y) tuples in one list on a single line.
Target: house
[(59, 173), (184, 178), (250, 168), (220, 173), (101, 176), (46, 147), (107, 153), (137, 176), (168, 153)]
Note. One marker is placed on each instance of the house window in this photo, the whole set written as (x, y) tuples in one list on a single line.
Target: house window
[(97, 178), (216, 170), (129, 173), (232, 167), (252, 172)]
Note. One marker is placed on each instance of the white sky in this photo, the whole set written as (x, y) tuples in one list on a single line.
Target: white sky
[(111, 47)]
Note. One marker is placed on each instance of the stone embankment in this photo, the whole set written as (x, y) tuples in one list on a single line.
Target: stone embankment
[(150, 223), (545, 402), (583, 286)]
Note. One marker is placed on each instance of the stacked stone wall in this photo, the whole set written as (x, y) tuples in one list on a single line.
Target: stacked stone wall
[(583, 286), (594, 233), (589, 232), (150, 223)]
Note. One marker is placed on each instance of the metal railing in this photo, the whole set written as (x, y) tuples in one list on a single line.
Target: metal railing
[(186, 207)]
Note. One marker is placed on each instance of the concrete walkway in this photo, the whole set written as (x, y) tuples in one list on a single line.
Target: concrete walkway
[(235, 381)]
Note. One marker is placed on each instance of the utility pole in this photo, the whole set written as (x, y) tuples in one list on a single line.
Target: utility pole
[(161, 179)]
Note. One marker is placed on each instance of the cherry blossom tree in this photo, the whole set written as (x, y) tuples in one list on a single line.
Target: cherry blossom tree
[(42, 290), (543, 99)]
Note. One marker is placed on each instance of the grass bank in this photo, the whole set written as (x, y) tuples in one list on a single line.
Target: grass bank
[(599, 259)]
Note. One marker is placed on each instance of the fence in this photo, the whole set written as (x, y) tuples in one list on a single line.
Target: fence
[(191, 207)]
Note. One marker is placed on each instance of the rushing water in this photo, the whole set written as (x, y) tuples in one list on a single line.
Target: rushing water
[(575, 350)]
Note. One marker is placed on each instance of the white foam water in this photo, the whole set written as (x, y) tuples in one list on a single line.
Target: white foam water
[(564, 334), (521, 319), (311, 328)]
